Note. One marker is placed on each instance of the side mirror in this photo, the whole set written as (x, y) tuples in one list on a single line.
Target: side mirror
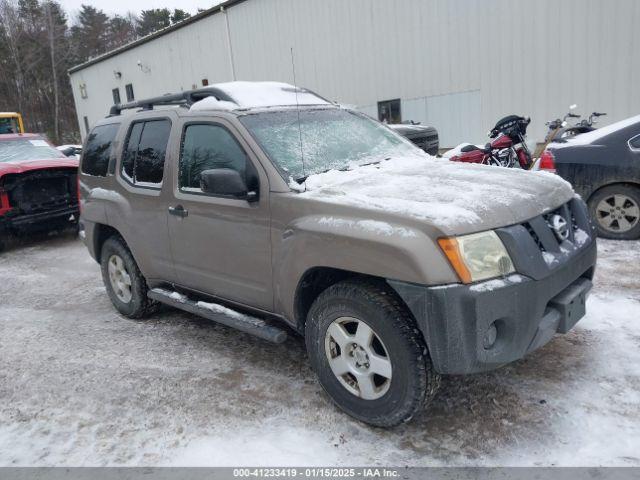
[(69, 152), (227, 182)]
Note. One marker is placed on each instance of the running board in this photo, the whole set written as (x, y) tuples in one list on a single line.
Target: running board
[(218, 313)]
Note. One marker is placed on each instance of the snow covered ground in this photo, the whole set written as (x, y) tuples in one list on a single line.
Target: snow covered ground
[(80, 385)]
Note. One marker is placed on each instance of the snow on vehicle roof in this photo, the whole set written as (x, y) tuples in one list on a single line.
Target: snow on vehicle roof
[(595, 135), (212, 103), (259, 95)]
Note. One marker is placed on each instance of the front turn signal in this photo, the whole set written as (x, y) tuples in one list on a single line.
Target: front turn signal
[(451, 249)]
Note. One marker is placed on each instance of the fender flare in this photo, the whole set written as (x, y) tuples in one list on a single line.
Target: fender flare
[(384, 250)]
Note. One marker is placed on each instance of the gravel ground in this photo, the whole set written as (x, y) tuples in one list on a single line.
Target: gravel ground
[(80, 385)]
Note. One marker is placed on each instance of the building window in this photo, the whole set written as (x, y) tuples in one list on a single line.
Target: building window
[(389, 111), (116, 96), (205, 82), (86, 125), (129, 89), (144, 152)]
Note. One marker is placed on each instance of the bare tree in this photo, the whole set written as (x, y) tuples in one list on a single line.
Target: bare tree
[(11, 35), (37, 48), (54, 71)]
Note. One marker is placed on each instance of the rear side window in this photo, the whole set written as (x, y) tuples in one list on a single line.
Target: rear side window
[(131, 150), (205, 147), (144, 153), (95, 159)]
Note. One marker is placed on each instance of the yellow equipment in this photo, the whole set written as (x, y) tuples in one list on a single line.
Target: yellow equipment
[(11, 122)]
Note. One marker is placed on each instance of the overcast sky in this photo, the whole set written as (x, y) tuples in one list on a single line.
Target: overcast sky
[(123, 6)]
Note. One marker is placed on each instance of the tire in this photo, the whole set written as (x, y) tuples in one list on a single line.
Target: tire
[(411, 382), (616, 212), (135, 304)]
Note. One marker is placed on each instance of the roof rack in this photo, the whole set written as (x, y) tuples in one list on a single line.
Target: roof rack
[(186, 98)]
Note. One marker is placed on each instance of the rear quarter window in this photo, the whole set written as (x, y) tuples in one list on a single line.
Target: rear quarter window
[(95, 158), (144, 153)]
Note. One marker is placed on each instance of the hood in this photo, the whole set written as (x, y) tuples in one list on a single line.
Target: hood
[(454, 198), (27, 166)]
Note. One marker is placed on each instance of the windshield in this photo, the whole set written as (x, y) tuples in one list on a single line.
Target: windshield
[(9, 125), (327, 139), (27, 149)]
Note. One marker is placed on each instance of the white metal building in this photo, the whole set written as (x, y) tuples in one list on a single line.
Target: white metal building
[(459, 65)]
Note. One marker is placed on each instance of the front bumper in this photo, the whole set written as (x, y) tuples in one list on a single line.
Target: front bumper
[(16, 223), (526, 313), (545, 297)]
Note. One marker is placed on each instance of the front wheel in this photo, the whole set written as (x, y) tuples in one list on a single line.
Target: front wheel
[(616, 211), (368, 354)]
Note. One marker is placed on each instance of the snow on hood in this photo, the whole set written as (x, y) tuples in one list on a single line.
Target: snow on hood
[(456, 198)]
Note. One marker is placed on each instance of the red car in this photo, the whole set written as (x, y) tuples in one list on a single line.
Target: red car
[(38, 185)]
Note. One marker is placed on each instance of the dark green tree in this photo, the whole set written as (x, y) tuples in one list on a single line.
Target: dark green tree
[(90, 33), (122, 30), (179, 15), (153, 20)]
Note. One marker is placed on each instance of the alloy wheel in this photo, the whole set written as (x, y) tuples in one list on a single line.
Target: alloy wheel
[(119, 278), (617, 213), (358, 358)]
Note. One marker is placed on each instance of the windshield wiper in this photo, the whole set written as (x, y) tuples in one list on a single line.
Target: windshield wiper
[(301, 180), (375, 162)]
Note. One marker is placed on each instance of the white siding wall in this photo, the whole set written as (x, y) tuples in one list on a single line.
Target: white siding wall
[(458, 64)]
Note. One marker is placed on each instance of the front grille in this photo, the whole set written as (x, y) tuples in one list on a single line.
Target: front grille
[(560, 232), (42, 191), (535, 237), (418, 140), (424, 139)]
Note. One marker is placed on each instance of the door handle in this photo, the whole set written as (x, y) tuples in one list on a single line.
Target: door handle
[(178, 211)]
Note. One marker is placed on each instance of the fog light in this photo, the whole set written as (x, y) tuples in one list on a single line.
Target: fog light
[(490, 336)]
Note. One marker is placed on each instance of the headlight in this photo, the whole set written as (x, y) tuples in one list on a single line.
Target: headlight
[(478, 256)]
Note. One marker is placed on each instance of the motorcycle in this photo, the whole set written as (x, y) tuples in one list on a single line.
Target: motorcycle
[(508, 147), (583, 126), (558, 129)]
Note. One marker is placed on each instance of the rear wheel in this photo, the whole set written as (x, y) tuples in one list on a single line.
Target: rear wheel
[(368, 353), (616, 211), (126, 286)]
